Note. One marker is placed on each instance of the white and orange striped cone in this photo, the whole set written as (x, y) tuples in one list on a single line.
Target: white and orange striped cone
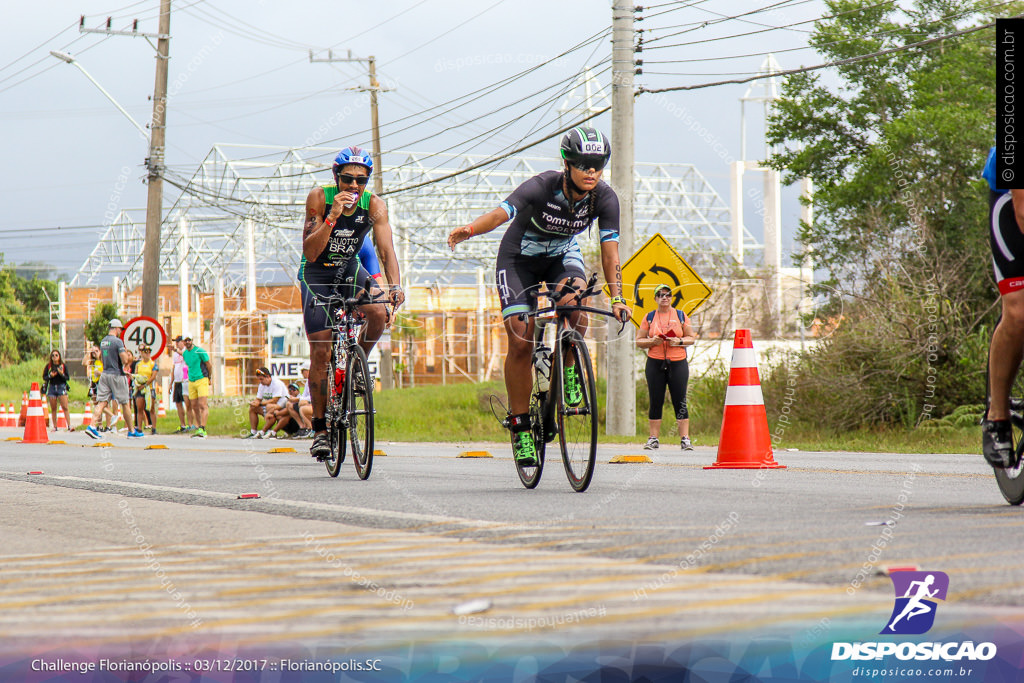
[(24, 410), (87, 415), (160, 410), (11, 418), (61, 422), (745, 443), (5, 419), (35, 423)]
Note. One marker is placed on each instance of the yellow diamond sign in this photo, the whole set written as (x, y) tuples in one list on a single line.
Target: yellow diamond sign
[(657, 263)]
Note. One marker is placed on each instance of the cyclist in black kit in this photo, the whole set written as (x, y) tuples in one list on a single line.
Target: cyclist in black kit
[(1006, 237), (547, 212), (338, 218)]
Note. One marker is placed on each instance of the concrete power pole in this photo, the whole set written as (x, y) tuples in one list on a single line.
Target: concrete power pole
[(154, 204), (387, 376), (155, 160), (621, 401)]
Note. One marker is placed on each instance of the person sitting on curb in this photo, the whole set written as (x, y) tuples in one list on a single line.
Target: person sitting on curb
[(271, 398)]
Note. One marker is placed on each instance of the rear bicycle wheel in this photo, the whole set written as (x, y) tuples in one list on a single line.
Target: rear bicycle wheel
[(1011, 479), (530, 475), (577, 421), (359, 403), (334, 413)]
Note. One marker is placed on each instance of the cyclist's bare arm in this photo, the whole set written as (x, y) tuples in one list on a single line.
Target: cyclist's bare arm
[(382, 238), (613, 276), (484, 224), (1018, 207), (315, 231)]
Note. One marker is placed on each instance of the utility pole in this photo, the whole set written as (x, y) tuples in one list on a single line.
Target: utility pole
[(387, 375), (621, 399), (155, 160)]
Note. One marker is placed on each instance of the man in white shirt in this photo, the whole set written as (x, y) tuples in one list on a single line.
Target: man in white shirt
[(271, 398), (179, 387), (300, 407)]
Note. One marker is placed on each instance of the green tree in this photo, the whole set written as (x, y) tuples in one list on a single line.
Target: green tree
[(98, 325), (894, 145)]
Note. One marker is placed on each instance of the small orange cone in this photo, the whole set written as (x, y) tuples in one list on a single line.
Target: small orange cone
[(61, 422), (35, 425), (745, 443), (12, 415), (5, 420), (87, 415), (161, 411), (24, 410)]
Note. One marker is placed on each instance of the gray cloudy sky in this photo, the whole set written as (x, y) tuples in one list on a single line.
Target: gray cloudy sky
[(240, 72)]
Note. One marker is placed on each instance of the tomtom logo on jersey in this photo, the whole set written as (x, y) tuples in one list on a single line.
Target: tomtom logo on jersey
[(948, 652)]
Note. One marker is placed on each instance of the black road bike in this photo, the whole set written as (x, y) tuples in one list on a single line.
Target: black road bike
[(349, 401), (1011, 479), (552, 412)]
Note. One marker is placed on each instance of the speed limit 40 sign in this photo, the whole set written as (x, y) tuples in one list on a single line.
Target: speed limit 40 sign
[(144, 331)]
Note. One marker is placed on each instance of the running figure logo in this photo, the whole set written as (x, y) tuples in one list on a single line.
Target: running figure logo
[(914, 611)]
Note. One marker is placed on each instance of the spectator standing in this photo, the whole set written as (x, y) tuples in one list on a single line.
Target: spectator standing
[(199, 384), (55, 383), (179, 387), (664, 334)]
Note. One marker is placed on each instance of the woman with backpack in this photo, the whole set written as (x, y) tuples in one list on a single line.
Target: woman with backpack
[(664, 334)]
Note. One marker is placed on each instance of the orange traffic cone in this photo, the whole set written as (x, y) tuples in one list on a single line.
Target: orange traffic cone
[(87, 415), (160, 410), (5, 420), (35, 425), (24, 410), (12, 415), (61, 422), (745, 443)]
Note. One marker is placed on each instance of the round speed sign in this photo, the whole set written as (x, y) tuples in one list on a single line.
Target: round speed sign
[(144, 331)]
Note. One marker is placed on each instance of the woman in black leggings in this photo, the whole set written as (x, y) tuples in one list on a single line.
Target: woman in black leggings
[(664, 334)]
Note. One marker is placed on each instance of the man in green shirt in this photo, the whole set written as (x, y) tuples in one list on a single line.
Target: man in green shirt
[(199, 383)]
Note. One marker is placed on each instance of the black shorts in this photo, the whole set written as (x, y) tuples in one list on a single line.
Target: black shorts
[(178, 396), (317, 283), (517, 275), (1007, 242)]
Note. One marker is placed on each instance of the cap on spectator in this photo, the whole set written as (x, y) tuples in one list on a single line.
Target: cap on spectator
[(188, 337), (293, 387), (658, 288), (304, 365), (178, 338), (115, 323), (145, 348), (263, 371)]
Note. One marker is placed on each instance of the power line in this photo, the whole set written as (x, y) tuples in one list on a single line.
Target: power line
[(817, 67)]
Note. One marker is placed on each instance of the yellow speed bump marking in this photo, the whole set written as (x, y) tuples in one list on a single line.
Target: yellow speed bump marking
[(55, 443), (156, 447), (378, 452), (14, 438), (621, 459), (282, 449), (103, 444), (475, 454)]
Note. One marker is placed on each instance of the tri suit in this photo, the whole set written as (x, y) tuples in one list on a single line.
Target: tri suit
[(540, 245), (1005, 236), (336, 271)]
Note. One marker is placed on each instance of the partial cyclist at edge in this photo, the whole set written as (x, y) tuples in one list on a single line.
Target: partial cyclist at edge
[(547, 212), (338, 219), (1006, 238)]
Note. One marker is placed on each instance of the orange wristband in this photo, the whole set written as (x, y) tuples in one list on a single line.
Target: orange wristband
[(471, 233), (329, 224)]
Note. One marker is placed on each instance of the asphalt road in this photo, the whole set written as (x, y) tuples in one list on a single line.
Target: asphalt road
[(115, 543)]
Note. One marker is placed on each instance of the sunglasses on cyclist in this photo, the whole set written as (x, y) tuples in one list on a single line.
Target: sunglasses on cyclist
[(346, 179), (586, 163)]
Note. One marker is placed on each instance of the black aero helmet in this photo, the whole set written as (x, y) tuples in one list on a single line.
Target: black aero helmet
[(585, 147)]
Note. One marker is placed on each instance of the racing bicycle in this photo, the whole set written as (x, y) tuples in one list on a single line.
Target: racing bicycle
[(552, 412), (349, 409), (1011, 479)]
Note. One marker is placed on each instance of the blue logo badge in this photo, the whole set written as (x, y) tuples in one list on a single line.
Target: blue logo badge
[(916, 592)]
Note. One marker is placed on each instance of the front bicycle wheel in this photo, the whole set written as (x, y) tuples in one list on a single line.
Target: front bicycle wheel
[(1011, 479), (530, 475), (575, 408), (359, 391), (334, 413)]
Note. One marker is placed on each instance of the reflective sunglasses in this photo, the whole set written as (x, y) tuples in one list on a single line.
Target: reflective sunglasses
[(586, 163), (662, 294), (347, 179)]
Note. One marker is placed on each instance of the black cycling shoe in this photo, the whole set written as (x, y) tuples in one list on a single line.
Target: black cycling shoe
[(321, 448), (997, 443)]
